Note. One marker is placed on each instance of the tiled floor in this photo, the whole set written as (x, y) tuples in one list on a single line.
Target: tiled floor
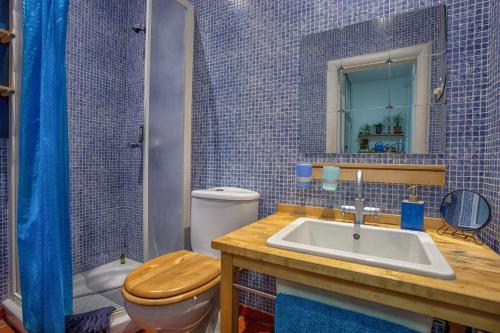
[(4, 328), (255, 321)]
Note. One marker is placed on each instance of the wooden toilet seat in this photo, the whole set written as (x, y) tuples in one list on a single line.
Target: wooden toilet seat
[(171, 278)]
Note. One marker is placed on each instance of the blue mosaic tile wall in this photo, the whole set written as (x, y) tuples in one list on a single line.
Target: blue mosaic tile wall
[(134, 92), (4, 228), (491, 187), (103, 53), (246, 101)]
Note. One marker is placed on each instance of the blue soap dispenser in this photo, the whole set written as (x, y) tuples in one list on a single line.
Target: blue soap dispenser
[(412, 212)]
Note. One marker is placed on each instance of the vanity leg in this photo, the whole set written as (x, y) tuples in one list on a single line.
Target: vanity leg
[(229, 299)]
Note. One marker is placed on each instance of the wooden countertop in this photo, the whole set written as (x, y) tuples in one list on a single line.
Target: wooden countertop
[(475, 292)]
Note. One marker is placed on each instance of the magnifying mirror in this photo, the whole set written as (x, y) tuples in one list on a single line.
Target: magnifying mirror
[(465, 210)]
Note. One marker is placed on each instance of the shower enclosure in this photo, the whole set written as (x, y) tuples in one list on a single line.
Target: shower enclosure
[(161, 161), (168, 127)]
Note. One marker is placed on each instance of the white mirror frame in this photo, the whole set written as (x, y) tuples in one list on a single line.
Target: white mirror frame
[(419, 54)]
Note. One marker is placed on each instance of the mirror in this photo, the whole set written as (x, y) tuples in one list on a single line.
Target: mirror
[(376, 87), (465, 210)]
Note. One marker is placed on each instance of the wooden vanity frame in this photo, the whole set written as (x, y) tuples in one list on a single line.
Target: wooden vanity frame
[(246, 249)]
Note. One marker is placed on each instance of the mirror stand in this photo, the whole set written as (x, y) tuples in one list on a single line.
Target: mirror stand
[(466, 235)]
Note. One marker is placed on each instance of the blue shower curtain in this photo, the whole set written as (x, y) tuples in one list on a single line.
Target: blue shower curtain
[(43, 224)]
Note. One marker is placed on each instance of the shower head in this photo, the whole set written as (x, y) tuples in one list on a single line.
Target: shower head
[(138, 28)]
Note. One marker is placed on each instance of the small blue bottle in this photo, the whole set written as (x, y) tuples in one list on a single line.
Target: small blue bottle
[(412, 212)]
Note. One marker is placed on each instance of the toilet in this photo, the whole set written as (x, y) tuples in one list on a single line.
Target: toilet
[(179, 291)]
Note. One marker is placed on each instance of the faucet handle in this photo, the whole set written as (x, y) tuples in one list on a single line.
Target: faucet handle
[(346, 209), (373, 211)]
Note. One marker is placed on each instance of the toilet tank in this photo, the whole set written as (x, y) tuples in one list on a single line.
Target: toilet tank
[(217, 211)]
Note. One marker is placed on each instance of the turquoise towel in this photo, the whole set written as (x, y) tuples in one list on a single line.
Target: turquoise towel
[(298, 315)]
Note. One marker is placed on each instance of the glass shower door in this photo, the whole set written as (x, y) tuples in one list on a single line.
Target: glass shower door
[(168, 128)]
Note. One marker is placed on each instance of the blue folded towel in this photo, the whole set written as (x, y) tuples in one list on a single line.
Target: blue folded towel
[(298, 315)]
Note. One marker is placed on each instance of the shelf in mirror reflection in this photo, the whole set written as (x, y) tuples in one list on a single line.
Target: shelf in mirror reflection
[(379, 152), (394, 108), (381, 136)]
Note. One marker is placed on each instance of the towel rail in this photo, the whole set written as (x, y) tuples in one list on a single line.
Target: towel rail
[(254, 291)]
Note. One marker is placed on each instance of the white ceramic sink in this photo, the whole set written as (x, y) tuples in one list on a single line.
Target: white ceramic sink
[(403, 250)]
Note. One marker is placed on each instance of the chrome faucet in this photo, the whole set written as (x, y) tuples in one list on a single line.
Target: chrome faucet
[(359, 210)]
